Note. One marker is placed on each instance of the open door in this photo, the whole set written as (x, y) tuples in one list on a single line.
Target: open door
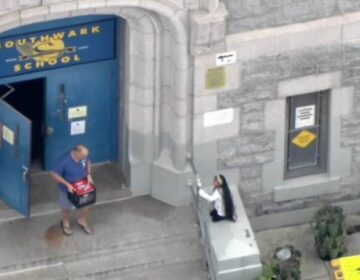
[(15, 149)]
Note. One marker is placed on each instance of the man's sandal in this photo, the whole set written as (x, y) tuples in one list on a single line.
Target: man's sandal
[(86, 228), (66, 230)]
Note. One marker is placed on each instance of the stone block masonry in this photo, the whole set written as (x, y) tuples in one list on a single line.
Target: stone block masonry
[(246, 15), (255, 145)]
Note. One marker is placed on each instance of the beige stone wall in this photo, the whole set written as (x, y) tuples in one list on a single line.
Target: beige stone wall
[(283, 61)]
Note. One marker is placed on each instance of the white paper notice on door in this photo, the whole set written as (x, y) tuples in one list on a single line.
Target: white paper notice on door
[(8, 135), (78, 127), (304, 116)]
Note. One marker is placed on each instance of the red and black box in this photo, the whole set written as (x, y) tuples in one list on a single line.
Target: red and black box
[(84, 194)]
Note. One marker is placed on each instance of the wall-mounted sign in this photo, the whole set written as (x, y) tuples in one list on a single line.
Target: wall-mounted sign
[(56, 48), (77, 112), (215, 78), (78, 127), (218, 117), (304, 116), (225, 58), (8, 135)]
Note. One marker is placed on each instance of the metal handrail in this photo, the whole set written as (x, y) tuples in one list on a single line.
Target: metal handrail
[(201, 214)]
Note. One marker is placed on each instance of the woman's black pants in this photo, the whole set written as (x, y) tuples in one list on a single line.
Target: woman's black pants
[(215, 216)]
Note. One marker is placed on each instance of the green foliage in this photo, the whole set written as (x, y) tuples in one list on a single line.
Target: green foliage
[(283, 269), (270, 272), (330, 233)]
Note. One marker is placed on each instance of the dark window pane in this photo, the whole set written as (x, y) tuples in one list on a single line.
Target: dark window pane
[(307, 134), (304, 152)]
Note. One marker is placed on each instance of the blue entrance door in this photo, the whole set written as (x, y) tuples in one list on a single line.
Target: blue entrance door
[(93, 89), (15, 148)]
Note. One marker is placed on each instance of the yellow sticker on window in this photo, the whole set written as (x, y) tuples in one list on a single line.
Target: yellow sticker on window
[(304, 139)]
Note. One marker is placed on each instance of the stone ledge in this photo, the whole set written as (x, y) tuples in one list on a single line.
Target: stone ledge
[(311, 83), (309, 186), (297, 217), (233, 246)]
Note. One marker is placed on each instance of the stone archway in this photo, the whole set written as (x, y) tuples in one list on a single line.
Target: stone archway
[(157, 120)]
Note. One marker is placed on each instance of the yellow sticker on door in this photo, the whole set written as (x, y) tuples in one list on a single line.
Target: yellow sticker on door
[(77, 112), (8, 135), (304, 139)]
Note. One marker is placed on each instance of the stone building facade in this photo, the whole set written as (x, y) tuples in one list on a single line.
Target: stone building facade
[(176, 91), (288, 48)]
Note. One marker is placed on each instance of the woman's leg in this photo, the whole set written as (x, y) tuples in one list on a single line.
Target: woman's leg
[(216, 217)]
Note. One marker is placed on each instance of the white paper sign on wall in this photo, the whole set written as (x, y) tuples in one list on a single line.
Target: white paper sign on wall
[(304, 116), (219, 117), (225, 58)]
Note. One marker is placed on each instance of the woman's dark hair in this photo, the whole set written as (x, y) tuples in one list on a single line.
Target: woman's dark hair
[(228, 201)]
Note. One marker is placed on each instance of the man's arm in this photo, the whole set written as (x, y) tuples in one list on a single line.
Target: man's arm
[(89, 170), (61, 180)]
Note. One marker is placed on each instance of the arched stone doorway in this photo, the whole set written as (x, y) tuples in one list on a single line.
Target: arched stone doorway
[(157, 122)]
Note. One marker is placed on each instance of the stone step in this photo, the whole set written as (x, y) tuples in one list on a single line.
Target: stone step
[(167, 253), (139, 233), (181, 271), (126, 247), (191, 270), (132, 260)]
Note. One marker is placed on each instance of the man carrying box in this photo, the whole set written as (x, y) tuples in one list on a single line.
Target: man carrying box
[(71, 168)]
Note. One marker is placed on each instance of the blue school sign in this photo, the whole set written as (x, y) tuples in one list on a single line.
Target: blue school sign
[(56, 48)]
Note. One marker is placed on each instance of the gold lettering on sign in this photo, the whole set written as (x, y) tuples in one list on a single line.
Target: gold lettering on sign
[(51, 49), (82, 31), (95, 29)]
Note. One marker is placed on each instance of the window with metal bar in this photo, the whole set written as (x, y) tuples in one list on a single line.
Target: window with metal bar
[(307, 134)]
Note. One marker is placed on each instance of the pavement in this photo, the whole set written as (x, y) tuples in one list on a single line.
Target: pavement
[(139, 238), (135, 238), (302, 237)]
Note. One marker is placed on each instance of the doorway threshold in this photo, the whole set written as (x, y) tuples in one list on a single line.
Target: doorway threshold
[(109, 180)]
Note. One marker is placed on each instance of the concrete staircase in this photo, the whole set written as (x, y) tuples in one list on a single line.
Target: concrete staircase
[(135, 239)]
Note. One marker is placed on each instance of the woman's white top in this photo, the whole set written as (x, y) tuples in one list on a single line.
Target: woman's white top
[(217, 198)]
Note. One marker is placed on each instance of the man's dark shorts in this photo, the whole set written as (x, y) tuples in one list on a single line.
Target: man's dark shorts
[(65, 203)]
